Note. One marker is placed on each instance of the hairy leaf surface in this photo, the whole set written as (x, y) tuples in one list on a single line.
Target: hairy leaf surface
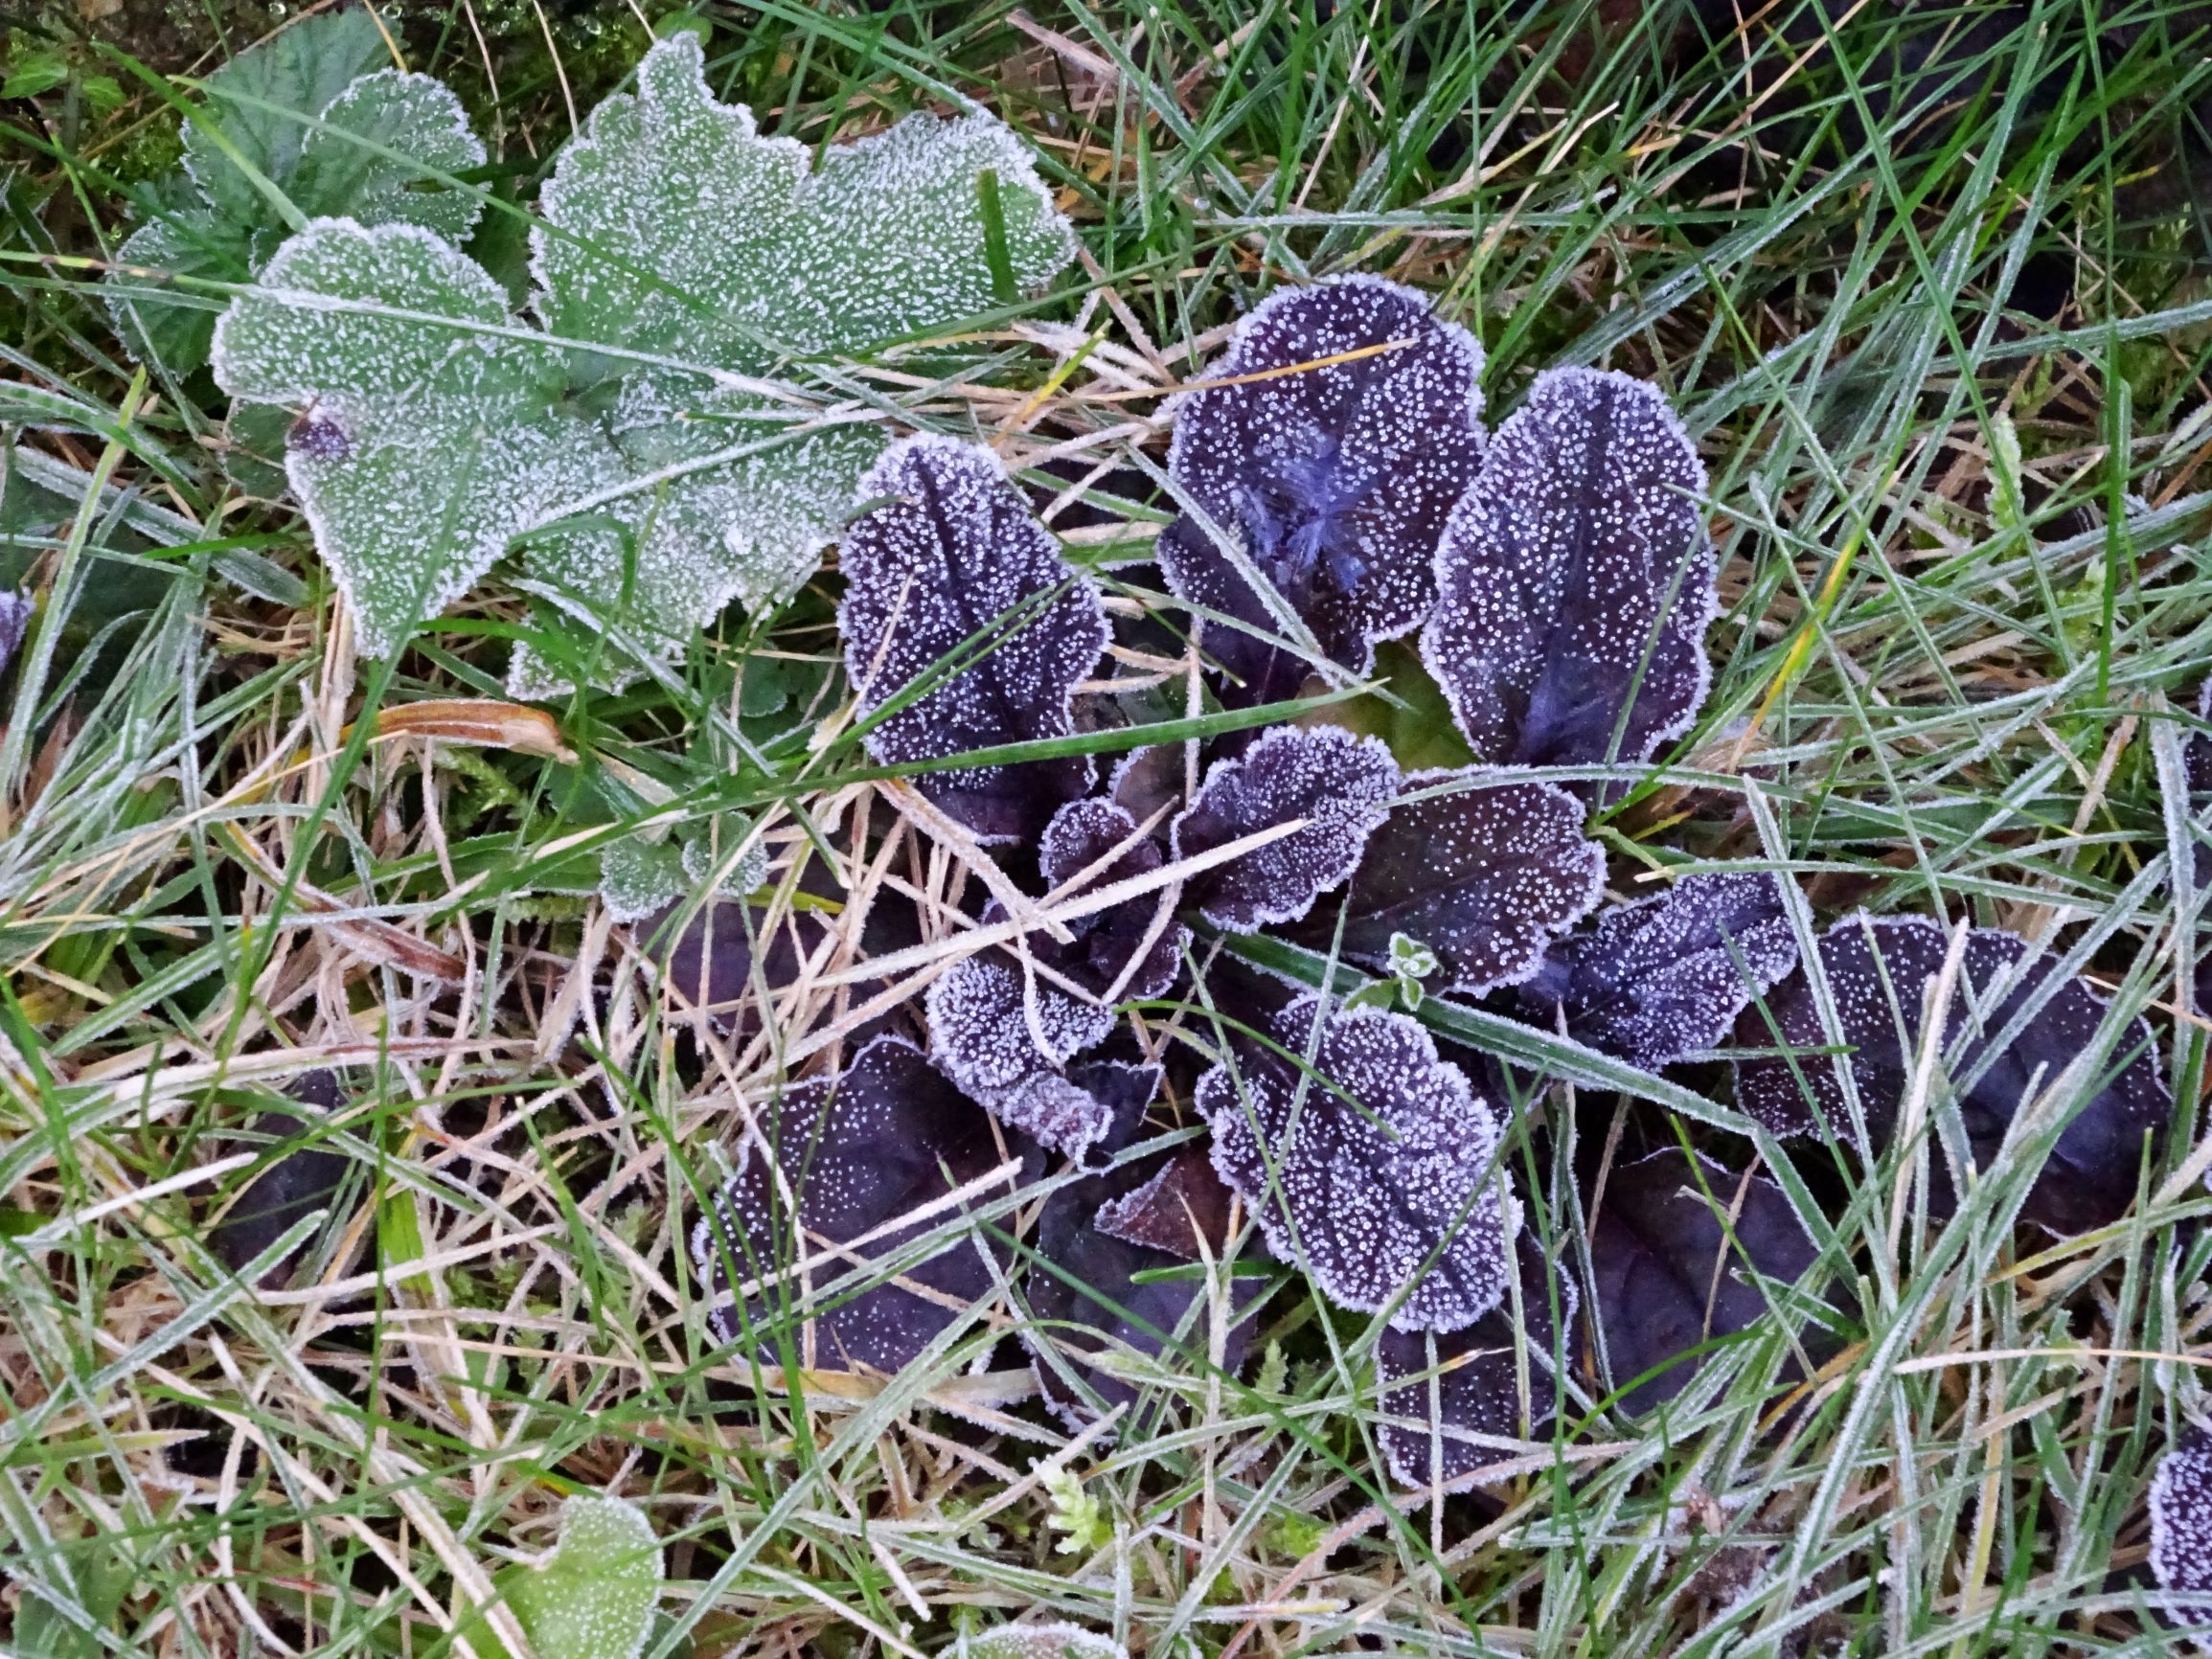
[(671, 224), (1377, 1173), (1336, 480), (430, 441), (311, 111), (255, 102), (1575, 579), (1878, 968)]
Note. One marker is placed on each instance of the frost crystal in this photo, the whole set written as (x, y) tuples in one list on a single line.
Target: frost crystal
[(1476, 1380), (650, 495), (887, 1137), (1663, 979), (256, 100), (1377, 1172), (1484, 876), (1575, 579), (1170, 1203), (343, 171), (1668, 1265), (310, 110), (2182, 1526), (593, 1596), (1339, 785), (1004, 1032), (1877, 969), (953, 567), (1336, 481), (1003, 1043)]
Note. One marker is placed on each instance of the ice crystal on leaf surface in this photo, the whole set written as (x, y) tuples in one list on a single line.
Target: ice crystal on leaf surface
[(953, 566), (2182, 1526), (592, 1596), (1664, 978), (874, 1154)]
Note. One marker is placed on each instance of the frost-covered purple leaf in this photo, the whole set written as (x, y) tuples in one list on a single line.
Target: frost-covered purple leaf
[(1484, 876), (1672, 1268), (2182, 1525), (16, 611), (1339, 784), (1004, 1036), (1575, 579), (1877, 969), (886, 1138), (1145, 1218), (730, 960), (1004, 1029), (1664, 978), (951, 562), (1381, 1180), (1444, 1388), (1335, 481)]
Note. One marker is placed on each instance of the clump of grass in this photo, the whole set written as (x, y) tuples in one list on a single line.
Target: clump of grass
[(1927, 285)]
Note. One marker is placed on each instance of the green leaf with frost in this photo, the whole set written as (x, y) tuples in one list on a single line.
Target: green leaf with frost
[(637, 877), (1048, 1641), (592, 1596), (161, 324), (671, 224), (429, 438), (710, 849), (310, 111), (727, 497), (372, 158), (671, 230), (254, 105)]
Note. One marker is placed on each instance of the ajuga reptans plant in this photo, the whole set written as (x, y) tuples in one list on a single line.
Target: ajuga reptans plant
[(1144, 955)]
